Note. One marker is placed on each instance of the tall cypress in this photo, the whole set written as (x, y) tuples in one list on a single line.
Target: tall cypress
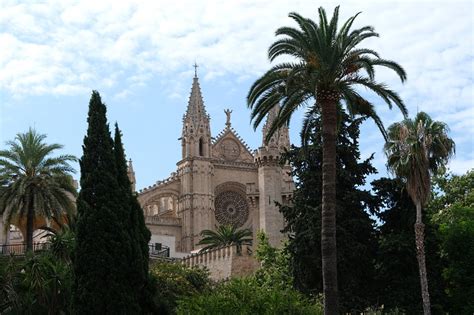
[(356, 238), (103, 246), (138, 232)]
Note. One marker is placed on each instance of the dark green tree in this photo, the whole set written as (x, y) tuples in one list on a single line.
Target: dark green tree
[(397, 267), (356, 239), (327, 66), (138, 232), (103, 250), (453, 212)]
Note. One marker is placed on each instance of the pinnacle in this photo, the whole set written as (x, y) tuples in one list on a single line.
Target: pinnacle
[(196, 109)]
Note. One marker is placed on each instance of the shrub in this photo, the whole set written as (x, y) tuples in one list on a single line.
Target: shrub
[(38, 284), (246, 296), (175, 281)]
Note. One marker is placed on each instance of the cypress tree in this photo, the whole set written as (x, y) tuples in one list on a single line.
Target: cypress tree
[(103, 248), (138, 232), (356, 238)]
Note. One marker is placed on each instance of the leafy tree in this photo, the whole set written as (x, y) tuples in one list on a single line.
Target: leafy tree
[(34, 183), (356, 239), (104, 247), (274, 268), (396, 264), (416, 149), (453, 206), (176, 281), (225, 235), (138, 232), (327, 69)]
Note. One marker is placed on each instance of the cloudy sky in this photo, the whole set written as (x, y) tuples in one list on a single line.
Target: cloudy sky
[(139, 56)]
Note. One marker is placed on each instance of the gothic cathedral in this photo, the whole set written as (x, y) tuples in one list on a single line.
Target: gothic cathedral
[(218, 181)]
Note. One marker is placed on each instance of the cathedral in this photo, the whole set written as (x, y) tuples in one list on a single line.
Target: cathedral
[(219, 180)]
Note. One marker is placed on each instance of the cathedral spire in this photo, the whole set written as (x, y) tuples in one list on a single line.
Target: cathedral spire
[(196, 110), (196, 135)]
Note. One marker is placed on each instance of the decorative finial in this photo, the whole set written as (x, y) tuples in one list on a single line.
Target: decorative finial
[(227, 112), (195, 69)]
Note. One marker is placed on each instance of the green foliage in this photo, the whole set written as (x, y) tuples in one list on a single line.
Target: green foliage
[(397, 268), (136, 228), (416, 149), (454, 206), (37, 284), (247, 296), (327, 61), (275, 265), (104, 248), (356, 239), (33, 183), (225, 235), (176, 281), (63, 243)]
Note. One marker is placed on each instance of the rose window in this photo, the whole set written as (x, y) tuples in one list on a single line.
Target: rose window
[(231, 208)]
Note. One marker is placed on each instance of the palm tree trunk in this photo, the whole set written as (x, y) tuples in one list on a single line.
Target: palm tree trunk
[(420, 256), (328, 215), (29, 228)]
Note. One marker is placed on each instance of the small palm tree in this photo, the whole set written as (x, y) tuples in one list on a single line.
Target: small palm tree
[(328, 71), (33, 182), (225, 235), (416, 150)]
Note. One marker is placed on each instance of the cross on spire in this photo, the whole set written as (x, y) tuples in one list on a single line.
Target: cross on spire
[(195, 69)]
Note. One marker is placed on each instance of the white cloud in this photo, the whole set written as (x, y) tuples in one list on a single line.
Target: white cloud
[(65, 47)]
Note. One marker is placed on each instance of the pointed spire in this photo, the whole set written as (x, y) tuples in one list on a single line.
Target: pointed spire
[(196, 109)]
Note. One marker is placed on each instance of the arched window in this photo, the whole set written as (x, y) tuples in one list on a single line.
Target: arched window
[(201, 147)]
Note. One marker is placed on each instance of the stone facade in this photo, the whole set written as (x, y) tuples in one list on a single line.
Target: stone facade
[(218, 181)]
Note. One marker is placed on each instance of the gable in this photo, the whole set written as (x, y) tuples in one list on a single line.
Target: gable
[(231, 148)]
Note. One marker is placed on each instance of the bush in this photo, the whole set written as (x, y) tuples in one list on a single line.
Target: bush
[(175, 281), (38, 284), (246, 296)]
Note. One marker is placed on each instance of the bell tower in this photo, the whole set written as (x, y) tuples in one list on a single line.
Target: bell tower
[(271, 178), (196, 203)]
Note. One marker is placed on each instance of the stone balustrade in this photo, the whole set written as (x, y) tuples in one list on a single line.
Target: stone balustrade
[(224, 262)]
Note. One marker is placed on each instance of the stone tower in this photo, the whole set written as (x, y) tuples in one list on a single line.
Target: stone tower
[(131, 175), (195, 170), (271, 176)]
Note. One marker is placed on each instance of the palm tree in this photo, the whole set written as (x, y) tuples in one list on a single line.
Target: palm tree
[(34, 183), (416, 150), (327, 70), (225, 235)]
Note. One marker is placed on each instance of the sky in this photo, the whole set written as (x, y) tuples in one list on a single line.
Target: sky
[(139, 55)]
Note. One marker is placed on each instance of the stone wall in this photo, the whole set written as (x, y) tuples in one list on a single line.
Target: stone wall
[(224, 262)]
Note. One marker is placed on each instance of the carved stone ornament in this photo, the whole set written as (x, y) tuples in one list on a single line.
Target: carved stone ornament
[(229, 149), (231, 208)]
